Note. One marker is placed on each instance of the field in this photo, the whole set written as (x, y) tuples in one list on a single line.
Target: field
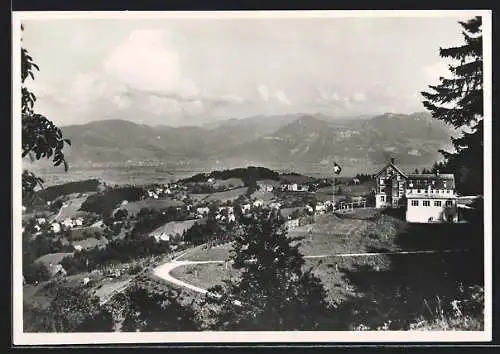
[(90, 242), (52, 258), (204, 275), (217, 253), (70, 208), (156, 204), (349, 190), (173, 228), (265, 196), (81, 233), (226, 195), (374, 290)]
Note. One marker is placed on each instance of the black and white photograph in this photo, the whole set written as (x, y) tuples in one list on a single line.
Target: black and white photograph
[(251, 176)]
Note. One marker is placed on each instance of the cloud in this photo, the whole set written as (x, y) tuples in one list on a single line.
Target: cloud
[(359, 97), (327, 95), (231, 99), (145, 62), (281, 96), (434, 71), (264, 92)]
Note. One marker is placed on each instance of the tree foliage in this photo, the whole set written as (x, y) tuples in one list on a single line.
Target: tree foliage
[(71, 310), (274, 291), (458, 101), (41, 138), (146, 310)]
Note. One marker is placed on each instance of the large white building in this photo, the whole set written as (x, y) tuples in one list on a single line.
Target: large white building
[(426, 197)]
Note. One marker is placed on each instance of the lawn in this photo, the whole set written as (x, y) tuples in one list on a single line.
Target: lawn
[(52, 258), (205, 275), (90, 242), (71, 208), (156, 204), (175, 227), (231, 195), (82, 233), (217, 253)]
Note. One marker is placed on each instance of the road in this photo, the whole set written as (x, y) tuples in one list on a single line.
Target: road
[(163, 271)]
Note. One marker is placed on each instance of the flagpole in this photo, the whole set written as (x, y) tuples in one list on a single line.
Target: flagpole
[(333, 194)]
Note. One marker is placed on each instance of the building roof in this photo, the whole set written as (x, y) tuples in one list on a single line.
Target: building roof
[(390, 164), (432, 176), (442, 181), (430, 196)]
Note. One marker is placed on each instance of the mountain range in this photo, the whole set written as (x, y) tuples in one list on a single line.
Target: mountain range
[(288, 140)]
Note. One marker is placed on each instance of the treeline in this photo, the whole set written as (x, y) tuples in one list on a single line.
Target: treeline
[(117, 251), (247, 174), (149, 219), (364, 177), (53, 192), (104, 203), (33, 248)]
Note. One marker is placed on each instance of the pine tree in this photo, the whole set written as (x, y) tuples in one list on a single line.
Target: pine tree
[(274, 292), (458, 101)]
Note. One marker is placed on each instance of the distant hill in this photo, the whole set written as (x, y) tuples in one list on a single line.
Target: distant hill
[(295, 139), (411, 139)]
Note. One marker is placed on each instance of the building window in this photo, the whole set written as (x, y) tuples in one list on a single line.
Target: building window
[(449, 203), (382, 198), (426, 203), (437, 203), (414, 203), (418, 190), (381, 181)]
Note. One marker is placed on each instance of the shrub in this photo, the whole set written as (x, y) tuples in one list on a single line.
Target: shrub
[(36, 272)]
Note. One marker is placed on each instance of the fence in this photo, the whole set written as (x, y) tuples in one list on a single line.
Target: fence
[(350, 206)]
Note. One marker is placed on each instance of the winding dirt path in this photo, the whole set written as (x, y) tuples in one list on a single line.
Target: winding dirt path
[(164, 271)]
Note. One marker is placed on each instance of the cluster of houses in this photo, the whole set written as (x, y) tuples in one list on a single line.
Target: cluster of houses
[(58, 226), (271, 185), (294, 187), (163, 191), (158, 192)]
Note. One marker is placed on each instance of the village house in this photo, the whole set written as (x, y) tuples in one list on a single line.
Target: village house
[(292, 224), (41, 221), (275, 205), (258, 203), (162, 237), (267, 185), (201, 212), (426, 197), (67, 222), (320, 208), (294, 187), (55, 227), (245, 208), (78, 222)]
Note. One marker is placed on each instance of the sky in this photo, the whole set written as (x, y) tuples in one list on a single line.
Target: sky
[(180, 71)]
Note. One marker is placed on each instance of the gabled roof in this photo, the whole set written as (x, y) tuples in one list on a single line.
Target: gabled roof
[(390, 164)]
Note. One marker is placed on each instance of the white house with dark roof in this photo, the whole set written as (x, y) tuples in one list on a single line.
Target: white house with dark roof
[(426, 197), (431, 198)]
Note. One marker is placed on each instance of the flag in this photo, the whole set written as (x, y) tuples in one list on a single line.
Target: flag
[(336, 168)]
